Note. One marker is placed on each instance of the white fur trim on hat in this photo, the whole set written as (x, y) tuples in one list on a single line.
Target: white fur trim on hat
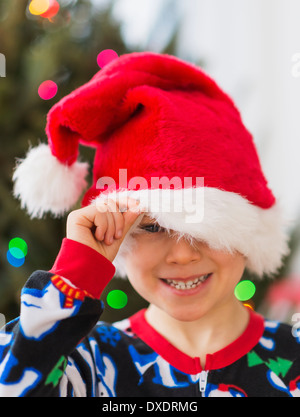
[(224, 220), (43, 184)]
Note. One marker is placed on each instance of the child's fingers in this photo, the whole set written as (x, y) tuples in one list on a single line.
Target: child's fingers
[(102, 222), (118, 218), (95, 225), (131, 210), (115, 221), (110, 222), (109, 235), (100, 227), (120, 222)]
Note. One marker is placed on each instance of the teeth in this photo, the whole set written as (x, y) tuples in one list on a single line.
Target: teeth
[(181, 285)]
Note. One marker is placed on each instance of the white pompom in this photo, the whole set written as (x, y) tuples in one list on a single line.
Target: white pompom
[(43, 184)]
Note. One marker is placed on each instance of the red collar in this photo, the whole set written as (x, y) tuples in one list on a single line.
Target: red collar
[(184, 363)]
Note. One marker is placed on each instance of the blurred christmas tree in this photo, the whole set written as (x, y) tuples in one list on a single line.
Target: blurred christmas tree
[(63, 49)]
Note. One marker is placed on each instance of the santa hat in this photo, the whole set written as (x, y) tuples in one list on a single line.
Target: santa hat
[(155, 119)]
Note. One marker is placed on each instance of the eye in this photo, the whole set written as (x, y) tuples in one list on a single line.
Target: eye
[(149, 228)]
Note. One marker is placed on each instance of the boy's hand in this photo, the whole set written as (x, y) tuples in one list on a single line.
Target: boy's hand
[(95, 225)]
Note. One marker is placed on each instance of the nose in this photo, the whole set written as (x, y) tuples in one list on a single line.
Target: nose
[(182, 252)]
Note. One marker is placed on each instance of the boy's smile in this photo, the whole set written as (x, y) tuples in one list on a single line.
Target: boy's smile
[(189, 286)]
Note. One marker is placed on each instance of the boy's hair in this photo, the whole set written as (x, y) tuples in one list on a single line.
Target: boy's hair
[(167, 135)]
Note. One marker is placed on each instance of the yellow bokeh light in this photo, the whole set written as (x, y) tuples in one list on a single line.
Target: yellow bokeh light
[(249, 306), (37, 7)]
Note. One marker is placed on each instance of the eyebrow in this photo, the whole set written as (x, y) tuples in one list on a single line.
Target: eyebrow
[(148, 221), (149, 224)]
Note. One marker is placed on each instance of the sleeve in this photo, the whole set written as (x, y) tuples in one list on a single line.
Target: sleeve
[(58, 309), (293, 379)]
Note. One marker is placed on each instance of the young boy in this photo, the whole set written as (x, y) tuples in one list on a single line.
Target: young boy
[(169, 124)]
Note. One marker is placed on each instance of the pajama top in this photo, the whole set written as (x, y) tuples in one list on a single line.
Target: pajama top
[(59, 346)]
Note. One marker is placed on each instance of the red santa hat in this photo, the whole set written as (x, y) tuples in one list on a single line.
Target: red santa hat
[(167, 135)]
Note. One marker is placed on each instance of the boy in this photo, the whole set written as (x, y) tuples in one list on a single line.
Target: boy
[(161, 118)]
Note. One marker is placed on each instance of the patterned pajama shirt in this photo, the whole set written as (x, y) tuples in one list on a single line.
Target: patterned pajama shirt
[(58, 347)]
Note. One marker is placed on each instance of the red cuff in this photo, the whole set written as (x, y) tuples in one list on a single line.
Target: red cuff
[(83, 266)]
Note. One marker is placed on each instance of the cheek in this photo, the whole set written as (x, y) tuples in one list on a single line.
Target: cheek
[(141, 263), (141, 273), (140, 270), (145, 254), (144, 285), (230, 271), (229, 262)]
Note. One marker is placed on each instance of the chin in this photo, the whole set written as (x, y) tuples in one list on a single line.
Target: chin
[(185, 314)]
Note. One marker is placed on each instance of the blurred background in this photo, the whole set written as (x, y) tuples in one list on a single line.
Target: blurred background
[(250, 47)]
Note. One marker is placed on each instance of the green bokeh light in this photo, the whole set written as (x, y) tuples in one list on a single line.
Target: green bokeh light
[(16, 253), (18, 246), (244, 290), (116, 299)]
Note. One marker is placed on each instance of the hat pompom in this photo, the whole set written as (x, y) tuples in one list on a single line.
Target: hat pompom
[(43, 184)]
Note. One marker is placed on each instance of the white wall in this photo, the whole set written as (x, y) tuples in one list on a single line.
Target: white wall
[(248, 47)]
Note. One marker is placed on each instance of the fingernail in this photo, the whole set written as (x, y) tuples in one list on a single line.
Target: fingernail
[(119, 233), (111, 240)]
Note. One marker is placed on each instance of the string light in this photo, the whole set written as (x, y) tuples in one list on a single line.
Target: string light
[(37, 7), (17, 250), (52, 9), (244, 290), (116, 299), (19, 244), (106, 56), (47, 90), (249, 304)]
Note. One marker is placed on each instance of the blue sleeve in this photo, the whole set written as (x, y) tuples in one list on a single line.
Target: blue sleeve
[(38, 355)]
